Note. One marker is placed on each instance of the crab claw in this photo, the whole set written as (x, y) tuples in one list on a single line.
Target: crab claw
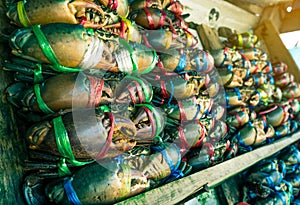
[(43, 12), (33, 189)]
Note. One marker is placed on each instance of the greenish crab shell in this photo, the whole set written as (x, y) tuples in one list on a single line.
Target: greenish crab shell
[(68, 42), (30, 12), (100, 184)]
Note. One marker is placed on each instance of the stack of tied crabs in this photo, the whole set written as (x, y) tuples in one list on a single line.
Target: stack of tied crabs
[(119, 99), (274, 180)]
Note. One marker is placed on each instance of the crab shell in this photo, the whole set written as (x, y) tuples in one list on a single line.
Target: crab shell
[(44, 12), (120, 6), (189, 135), (237, 119), (291, 91), (184, 110), (279, 68), (225, 56), (174, 6), (88, 137), (158, 165), (104, 183), (133, 89), (90, 50), (149, 121), (275, 115), (243, 40), (64, 92)]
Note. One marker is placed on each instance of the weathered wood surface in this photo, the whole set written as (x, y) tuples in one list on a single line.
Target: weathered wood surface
[(277, 51), (229, 15), (291, 22), (11, 144), (209, 37), (177, 191)]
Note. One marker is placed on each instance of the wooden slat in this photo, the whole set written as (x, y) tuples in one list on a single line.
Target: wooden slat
[(250, 7), (209, 37), (291, 22), (12, 144), (273, 13), (178, 190), (277, 51), (230, 15)]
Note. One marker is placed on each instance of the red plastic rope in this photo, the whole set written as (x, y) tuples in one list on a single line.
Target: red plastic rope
[(108, 141), (96, 88)]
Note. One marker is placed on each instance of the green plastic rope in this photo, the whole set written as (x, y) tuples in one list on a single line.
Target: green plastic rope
[(22, 14), (38, 77), (63, 169), (129, 48), (48, 51), (143, 85), (154, 61), (63, 142), (40, 102)]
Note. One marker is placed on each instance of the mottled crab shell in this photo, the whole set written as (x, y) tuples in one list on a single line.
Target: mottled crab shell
[(104, 183), (69, 43), (30, 12), (90, 137), (149, 120)]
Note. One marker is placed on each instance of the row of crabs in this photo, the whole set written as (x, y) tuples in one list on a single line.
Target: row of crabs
[(274, 180), (181, 81), (119, 132)]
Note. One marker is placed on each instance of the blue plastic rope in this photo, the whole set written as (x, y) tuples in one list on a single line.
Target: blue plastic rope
[(181, 64), (71, 194), (172, 92)]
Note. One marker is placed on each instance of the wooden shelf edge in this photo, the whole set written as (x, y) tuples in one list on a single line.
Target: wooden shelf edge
[(178, 190)]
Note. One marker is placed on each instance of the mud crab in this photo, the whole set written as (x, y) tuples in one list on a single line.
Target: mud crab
[(89, 13), (43, 44)]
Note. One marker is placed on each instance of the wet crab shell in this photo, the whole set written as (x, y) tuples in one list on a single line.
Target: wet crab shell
[(104, 183), (133, 89), (149, 121), (91, 50), (174, 6), (161, 163), (62, 92), (30, 12), (120, 6), (89, 137)]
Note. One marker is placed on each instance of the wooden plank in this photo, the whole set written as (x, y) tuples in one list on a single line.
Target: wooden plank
[(178, 190), (277, 51), (230, 15), (273, 13), (209, 37), (12, 145), (250, 7), (291, 22)]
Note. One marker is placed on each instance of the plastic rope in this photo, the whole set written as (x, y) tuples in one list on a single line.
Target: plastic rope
[(155, 114), (130, 49), (172, 92), (93, 54), (40, 102), (38, 77), (71, 194), (108, 141), (63, 169), (63, 142), (24, 20), (48, 51), (181, 64), (143, 85), (153, 63), (174, 169)]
